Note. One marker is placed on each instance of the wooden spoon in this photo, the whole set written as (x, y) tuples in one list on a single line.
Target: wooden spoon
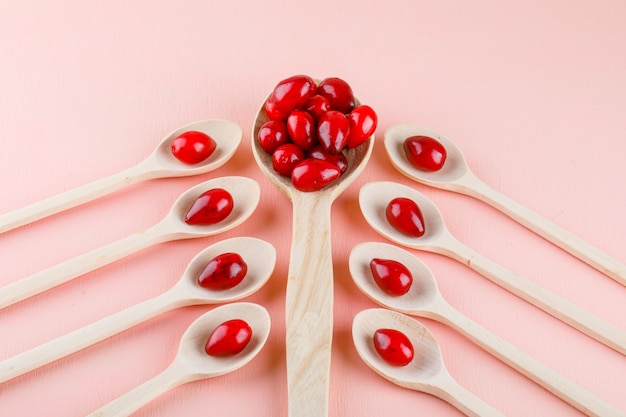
[(160, 164), (426, 372), (191, 362), (456, 176), (425, 300), (245, 193), (375, 196), (259, 256), (309, 304)]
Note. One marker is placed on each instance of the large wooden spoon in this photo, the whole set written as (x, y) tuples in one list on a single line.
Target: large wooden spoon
[(309, 305)]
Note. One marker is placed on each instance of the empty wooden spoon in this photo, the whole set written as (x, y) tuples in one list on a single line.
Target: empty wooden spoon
[(424, 300), (373, 199), (309, 304), (426, 372), (260, 258), (160, 164), (192, 362), (245, 193), (455, 175)]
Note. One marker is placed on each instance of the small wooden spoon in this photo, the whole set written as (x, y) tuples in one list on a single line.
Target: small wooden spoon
[(309, 304), (425, 300), (375, 196), (456, 176), (192, 363), (259, 256), (160, 164), (245, 193), (426, 372)]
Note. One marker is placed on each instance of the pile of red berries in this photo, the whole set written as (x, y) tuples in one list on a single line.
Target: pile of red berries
[(310, 126)]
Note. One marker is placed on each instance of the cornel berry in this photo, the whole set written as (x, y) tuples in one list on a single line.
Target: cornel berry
[(210, 207), (193, 147), (404, 215), (391, 276), (286, 157), (313, 174), (272, 135), (223, 272), (393, 346), (229, 338), (322, 121), (425, 153), (338, 93)]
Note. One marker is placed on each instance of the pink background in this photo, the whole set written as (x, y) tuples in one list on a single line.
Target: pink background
[(534, 93)]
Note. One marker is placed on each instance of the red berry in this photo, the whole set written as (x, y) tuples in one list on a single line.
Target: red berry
[(229, 338), (393, 346), (301, 128), (339, 159), (425, 153), (316, 106), (285, 157), (339, 94), (391, 276), (223, 272), (193, 147), (210, 207), (273, 134), (333, 129), (314, 174), (404, 214), (363, 121), (292, 93), (273, 113)]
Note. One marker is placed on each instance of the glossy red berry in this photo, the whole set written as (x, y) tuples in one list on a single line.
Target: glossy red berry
[(363, 122), (210, 207), (292, 93), (404, 214), (425, 153), (339, 159), (391, 276), (333, 129), (285, 157), (229, 338), (393, 346), (314, 174), (339, 94), (273, 113), (193, 147), (223, 272), (301, 128), (273, 134), (316, 106)]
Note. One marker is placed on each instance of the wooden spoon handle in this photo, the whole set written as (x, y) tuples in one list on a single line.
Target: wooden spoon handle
[(445, 387), (83, 337), (540, 297), (134, 399), (72, 198), (543, 227), (536, 371), (63, 272), (309, 308)]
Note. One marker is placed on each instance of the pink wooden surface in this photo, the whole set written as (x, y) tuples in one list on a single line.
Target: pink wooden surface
[(534, 93)]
